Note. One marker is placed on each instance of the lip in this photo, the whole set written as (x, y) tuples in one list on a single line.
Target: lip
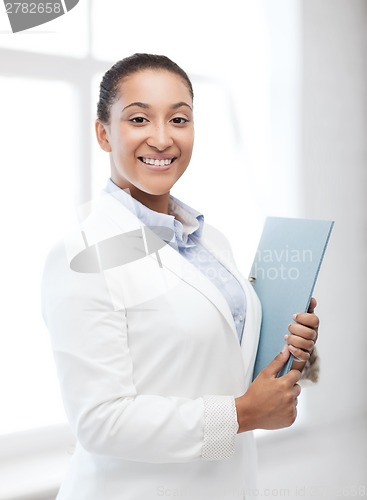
[(157, 168)]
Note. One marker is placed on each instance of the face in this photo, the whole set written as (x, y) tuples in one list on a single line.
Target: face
[(151, 132)]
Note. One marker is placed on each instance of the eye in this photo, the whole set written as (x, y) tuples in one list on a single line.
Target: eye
[(138, 120), (180, 120)]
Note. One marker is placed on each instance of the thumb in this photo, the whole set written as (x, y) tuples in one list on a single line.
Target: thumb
[(278, 362)]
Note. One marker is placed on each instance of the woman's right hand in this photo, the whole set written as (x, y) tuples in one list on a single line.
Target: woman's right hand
[(270, 402)]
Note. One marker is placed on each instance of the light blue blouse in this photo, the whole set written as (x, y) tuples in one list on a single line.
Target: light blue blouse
[(186, 224)]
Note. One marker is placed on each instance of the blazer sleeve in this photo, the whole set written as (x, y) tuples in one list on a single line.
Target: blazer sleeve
[(90, 346)]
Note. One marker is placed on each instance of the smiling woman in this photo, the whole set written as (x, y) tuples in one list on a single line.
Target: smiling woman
[(148, 128), (155, 353)]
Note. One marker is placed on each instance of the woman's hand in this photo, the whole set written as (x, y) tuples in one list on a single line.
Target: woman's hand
[(270, 402), (303, 335)]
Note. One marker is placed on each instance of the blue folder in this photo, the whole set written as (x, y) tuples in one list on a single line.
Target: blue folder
[(283, 274)]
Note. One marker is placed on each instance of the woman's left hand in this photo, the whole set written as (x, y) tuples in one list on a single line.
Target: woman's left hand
[(303, 334)]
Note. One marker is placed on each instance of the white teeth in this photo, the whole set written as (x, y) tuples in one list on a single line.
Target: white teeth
[(158, 163)]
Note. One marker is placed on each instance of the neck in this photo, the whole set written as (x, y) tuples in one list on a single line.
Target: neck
[(158, 203)]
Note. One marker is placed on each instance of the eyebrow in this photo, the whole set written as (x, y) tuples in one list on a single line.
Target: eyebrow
[(147, 106)]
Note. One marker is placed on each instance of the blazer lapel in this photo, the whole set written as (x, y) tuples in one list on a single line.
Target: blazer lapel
[(213, 241), (195, 278), (125, 220)]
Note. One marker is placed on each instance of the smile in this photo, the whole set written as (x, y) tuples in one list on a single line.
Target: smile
[(157, 162)]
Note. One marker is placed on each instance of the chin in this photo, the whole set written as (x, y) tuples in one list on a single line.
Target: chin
[(157, 192), (157, 189)]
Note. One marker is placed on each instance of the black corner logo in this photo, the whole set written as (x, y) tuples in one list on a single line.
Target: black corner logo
[(27, 14)]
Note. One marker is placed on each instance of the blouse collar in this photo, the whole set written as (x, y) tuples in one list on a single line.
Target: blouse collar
[(182, 219)]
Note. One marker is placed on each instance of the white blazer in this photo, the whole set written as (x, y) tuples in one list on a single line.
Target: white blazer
[(149, 364)]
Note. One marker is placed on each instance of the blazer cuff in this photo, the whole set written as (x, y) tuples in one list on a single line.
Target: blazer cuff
[(220, 427)]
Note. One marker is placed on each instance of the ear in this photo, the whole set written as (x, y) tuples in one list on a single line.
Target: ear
[(102, 136)]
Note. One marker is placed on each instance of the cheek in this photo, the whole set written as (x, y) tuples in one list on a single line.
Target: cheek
[(127, 140), (188, 142)]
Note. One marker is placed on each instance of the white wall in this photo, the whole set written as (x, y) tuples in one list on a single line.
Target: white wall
[(326, 455), (334, 185)]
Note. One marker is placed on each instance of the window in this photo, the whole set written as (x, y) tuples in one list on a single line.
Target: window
[(36, 193)]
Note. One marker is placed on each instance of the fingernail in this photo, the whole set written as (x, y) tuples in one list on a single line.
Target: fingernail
[(295, 317), (285, 348), (286, 336)]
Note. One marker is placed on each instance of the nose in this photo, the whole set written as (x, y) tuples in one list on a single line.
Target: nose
[(160, 138)]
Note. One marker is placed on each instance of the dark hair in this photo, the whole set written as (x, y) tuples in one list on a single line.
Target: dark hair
[(108, 92)]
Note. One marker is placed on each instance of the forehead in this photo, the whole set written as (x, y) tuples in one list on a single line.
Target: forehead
[(154, 86)]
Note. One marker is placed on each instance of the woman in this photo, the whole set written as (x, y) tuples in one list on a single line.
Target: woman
[(153, 329)]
